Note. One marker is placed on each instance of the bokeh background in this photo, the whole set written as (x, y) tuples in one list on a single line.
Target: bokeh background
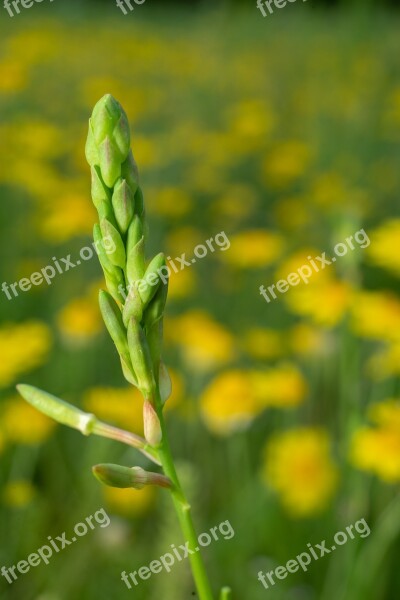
[(285, 134)]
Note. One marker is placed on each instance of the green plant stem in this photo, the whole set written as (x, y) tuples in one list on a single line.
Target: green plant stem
[(183, 510)]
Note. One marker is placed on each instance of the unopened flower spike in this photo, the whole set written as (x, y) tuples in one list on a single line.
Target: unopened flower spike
[(133, 311)]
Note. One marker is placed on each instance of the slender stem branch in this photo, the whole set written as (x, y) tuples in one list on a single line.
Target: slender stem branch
[(183, 510), (126, 437)]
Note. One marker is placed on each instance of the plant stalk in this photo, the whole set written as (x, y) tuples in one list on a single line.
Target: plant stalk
[(183, 511)]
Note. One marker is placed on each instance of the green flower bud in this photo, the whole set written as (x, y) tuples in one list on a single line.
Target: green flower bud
[(153, 321), (121, 477), (113, 275), (128, 373), (152, 427), (155, 309), (151, 278), (128, 477), (133, 306), (105, 115), (122, 135), (140, 357), (129, 171), (123, 205), (135, 261), (139, 203), (99, 190), (113, 320), (91, 151), (110, 162), (57, 409), (116, 256)]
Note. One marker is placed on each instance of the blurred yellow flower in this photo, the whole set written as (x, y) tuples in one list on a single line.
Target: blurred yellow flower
[(299, 467), (384, 241), (282, 386), (262, 344), (79, 320), (23, 347), (377, 449), (228, 404), (183, 239), (286, 163), (325, 302), (171, 201), (237, 202), (182, 284), (128, 502), (23, 424), (253, 248), (18, 493), (251, 119), (204, 343), (234, 398), (122, 407), (376, 315), (66, 217), (13, 76), (293, 213), (306, 339), (385, 362)]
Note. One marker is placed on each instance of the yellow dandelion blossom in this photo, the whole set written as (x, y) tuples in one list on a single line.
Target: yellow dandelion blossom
[(325, 303), (22, 347), (128, 502), (122, 407), (235, 398), (205, 344), (377, 449), (183, 239), (299, 467), (262, 344), (253, 248), (13, 76), (385, 362), (376, 315), (79, 320), (306, 339), (59, 225), (286, 163), (293, 213), (282, 386), (18, 493), (236, 202), (228, 404), (23, 424), (384, 240), (293, 262), (169, 201), (182, 284)]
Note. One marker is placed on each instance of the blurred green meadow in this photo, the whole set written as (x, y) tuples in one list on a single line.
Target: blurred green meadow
[(283, 133)]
